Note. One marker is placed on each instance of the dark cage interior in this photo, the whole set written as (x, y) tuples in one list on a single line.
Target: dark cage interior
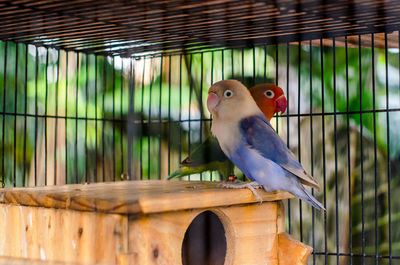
[(96, 91)]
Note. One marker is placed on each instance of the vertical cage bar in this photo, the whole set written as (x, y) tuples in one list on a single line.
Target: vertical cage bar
[(66, 117), (86, 116), (254, 66), (113, 115), (265, 63), (159, 118), (335, 146), (131, 120), (104, 116), (323, 148), (180, 109), (288, 123), (362, 150), (277, 80), (299, 130), (56, 118), (15, 115), (212, 81), (36, 110), (169, 114), (375, 150), (312, 150), (76, 117), (242, 65), (4, 112), (201, 102), (25, 115), (149, 123), (388, 149), (232, 65), (45, 116), (142, 119), (190, 100), (222, 64), (348, 149), (121, 104), (95, 118)]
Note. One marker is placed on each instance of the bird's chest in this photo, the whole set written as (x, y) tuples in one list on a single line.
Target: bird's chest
[(228, 135)]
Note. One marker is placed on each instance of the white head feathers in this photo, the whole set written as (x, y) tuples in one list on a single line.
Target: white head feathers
[(229, 101)]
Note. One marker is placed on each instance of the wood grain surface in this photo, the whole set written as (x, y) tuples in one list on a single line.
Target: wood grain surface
[(22, 261), (57, 235), (251, 233), (291, 251), (134, 197)]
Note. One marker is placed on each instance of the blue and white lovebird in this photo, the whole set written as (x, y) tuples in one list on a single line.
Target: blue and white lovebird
[(249, 141)]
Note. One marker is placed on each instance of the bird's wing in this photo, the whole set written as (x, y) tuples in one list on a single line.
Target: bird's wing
[(207, 152), (259, 135)]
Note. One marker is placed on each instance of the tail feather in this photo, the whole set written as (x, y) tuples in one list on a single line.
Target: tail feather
[(304, 195), (183, 172), (175, 174)]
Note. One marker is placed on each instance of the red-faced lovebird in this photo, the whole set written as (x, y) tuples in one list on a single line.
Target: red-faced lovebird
[(209, 157), (249, 141)]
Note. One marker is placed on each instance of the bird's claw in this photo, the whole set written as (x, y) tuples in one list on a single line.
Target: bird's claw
[(240, 185)]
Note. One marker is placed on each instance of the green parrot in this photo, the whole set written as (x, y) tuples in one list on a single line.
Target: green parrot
[(208, 156)]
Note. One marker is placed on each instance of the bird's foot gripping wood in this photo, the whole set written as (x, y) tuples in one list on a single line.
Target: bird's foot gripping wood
[(241, 185)]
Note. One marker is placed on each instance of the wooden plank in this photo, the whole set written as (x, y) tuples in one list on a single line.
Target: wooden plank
[(62, 235), (131, 197)]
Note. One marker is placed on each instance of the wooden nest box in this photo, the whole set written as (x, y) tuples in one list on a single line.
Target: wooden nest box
[(146, 222)]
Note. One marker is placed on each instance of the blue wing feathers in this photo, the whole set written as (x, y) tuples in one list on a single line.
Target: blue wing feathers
[(259, 134), (258, 168)]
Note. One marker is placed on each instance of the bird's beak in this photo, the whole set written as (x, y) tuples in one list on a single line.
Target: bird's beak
[(212, 101), (281, 104)]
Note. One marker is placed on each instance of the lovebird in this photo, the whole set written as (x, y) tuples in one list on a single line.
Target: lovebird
[(209, 157), (247, 138)]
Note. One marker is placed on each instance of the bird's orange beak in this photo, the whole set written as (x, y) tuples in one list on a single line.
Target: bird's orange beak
[(212, 101), (281, 104)]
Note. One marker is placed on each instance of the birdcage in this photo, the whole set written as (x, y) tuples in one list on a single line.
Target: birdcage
[(114, 91)]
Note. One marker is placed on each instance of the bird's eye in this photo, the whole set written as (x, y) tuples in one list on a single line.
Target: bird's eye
[(228, 93), (269, 94)]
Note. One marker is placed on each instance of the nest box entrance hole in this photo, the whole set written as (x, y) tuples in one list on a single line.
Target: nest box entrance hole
[(204, 242)]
